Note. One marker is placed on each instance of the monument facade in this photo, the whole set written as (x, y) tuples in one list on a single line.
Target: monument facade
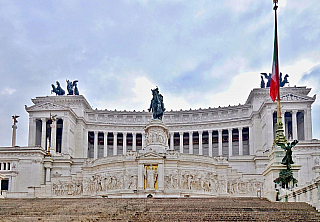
[(210, 152)]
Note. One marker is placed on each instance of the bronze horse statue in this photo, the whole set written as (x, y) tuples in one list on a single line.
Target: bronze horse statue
[(157, 105)]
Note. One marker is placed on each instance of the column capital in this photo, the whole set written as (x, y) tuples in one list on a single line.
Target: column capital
[(124, 133), (240, 128), (294, 111), (230, 129), (219, 130), (171, 133), (200, 131), (190, 132), (134, 133), (209, 131), (43, 118), (115, 133), (181, 133)]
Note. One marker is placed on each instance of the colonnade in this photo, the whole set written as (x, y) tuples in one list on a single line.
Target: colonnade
[(92, 141), (296, 123), (38, 135)]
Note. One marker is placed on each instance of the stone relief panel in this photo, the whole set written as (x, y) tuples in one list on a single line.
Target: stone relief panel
[(195, 180), (249, 187), (156, 135), (67, 188), (116, 180)]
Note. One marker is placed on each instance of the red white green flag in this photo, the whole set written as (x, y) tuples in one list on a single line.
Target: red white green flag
[(274, 84)]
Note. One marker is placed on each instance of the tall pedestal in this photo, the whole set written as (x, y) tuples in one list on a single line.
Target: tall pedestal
[(272, 172), (156, 137)]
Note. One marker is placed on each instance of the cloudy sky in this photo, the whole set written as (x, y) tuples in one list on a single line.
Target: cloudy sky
[(199, 53)]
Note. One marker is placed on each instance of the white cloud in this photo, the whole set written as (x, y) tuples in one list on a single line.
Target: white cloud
[(7, 91)]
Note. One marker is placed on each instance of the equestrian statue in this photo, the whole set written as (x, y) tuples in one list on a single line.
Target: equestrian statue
[(157, 105)]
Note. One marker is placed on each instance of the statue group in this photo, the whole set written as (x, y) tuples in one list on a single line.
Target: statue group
[(268, 78), (157, 105), (71, 87)]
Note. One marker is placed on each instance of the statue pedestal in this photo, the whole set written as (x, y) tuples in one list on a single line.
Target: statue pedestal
[(272, 172), (156, 139)]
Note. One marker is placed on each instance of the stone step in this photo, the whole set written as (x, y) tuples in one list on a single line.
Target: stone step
[(165, 209)]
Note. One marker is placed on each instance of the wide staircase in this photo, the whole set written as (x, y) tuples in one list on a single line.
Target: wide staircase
[(152, 209)]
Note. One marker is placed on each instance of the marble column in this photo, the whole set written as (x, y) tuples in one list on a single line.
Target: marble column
[(294, 124), (124, 142), (32, 131), (251, 141), (134, 141), (220, 141), (305, 125), (54, 136), (230, 141), (200, 142), (143, 140), (85, 143), (240, 141), (210, 142), (171, 140), (65, 136), (105, 144), (308, 121), (115, 146), (95, 145), (181, 141), (14, 133), (43, 133), (190, 142), (269, 129)]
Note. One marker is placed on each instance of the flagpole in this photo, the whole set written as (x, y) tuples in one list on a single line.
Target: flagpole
[(277, 56), (280, 137)]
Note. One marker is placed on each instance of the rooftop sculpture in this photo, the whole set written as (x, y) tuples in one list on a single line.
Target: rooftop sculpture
[(71, 87), (268, 78)]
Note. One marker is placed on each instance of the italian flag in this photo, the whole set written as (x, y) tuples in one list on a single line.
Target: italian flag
[(274, 84)]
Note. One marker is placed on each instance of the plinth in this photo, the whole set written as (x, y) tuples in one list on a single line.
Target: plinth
[(156, 137)]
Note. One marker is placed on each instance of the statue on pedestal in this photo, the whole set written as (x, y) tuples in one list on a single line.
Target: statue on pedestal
[(285, 175), (157, 105)]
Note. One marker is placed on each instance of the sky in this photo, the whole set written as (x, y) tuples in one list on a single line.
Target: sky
[(199, 53)]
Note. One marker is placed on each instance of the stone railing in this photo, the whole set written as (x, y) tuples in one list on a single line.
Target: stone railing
[(309, 193)]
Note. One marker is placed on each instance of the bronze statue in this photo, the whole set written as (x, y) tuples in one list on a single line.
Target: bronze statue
[(15, 117), (157, 105), (286, 175), (72, 87), (57, 90), (287, 159), (284, 81), (262, 84), (69, 87), (268, 77), (76, 90)]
